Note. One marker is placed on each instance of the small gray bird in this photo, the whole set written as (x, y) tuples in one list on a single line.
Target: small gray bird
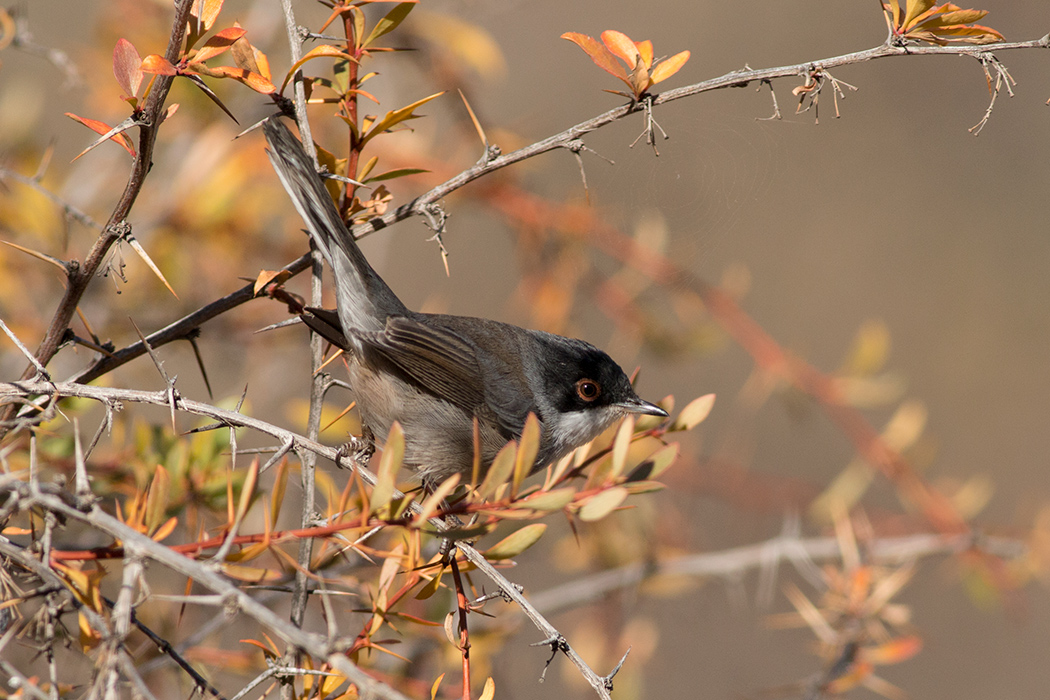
[(437, 374)]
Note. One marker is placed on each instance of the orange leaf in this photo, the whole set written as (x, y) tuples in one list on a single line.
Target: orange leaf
[(666, 68), (602, 57), (621, 45), (159, 65), (253, 80), (103, 128), (206, 11), (893, 651), (316, 52), (218, 43), (645, 49), (127, 67)]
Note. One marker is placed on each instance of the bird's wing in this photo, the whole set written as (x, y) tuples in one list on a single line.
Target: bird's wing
[(439, 360)]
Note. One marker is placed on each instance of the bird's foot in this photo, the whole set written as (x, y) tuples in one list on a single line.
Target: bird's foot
[(358, 449)]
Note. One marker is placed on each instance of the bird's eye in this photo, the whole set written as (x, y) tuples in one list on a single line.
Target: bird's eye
[(588, 389)]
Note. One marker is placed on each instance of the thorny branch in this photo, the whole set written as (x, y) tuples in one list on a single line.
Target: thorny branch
[(421, 205), (232, 418)]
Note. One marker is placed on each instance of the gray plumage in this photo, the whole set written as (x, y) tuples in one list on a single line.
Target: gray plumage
[(436, 374)]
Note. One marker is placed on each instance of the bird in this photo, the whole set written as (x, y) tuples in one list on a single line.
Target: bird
[(451, 382)]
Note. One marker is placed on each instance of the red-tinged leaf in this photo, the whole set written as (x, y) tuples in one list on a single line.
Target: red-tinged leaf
[(665, 69), (390, 22), (218, 43), (114, 134), (158, 65), (316, 52), (596, 50), (169, 112), (127, 67), (621, 45)]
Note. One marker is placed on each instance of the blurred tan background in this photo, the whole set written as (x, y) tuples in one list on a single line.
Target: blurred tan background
[(893, 212)]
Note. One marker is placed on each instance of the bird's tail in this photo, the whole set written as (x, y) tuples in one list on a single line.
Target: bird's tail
[(365, 301)]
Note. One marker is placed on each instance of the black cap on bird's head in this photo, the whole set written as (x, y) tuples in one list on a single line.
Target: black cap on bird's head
[(584, 378)]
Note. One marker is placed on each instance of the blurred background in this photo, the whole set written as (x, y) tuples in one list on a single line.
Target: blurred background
[(893, 218)]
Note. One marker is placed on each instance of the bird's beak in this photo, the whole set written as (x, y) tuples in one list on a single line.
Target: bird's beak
[(637, 405)]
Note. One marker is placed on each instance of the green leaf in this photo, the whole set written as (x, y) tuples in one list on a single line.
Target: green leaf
[(499, 471), (517, 542), (662, 459), (394, 118), (603, 503), (548, 500), (391, 174), (389, 23)]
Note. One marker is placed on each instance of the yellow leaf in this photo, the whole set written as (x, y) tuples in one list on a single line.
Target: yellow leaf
[(157, 498), (386, 476), (499, 471), (265, 277), (693, 414), (251, 574), (390, 22), (601, 504), (431, 588), (517, 542), (621, 443), (280, 482), (392, 119), (162, 532), (662, 459), (528, 447), (489, 691), (316, 52), (434, 688), (435, 499)]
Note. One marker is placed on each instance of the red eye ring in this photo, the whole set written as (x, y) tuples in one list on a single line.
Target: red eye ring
[(588, 389)]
